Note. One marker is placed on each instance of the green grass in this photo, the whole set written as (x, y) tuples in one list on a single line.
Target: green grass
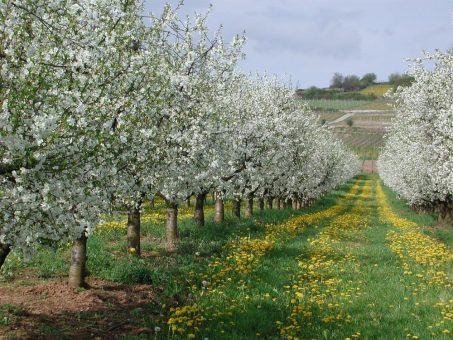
[(384, 309), (333, 105), (9, 312), (336, 104), (382, 306)]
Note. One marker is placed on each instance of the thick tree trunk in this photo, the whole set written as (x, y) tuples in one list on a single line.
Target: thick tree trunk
[(4, 251), (299, 204), (249, 207), (278, 203), (199, 210), (171, 228), (151, 203), (237, 208), (261, 203), (269, 202), (77, 270), (133, 231), (445, 212), (219, 216)]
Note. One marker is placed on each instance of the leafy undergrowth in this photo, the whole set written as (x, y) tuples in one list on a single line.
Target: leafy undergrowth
[(344, 268)]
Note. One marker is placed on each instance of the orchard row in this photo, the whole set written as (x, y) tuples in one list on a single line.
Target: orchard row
[(417, 161), (103, 107)]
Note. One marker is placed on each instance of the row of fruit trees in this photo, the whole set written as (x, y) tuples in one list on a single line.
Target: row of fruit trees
[(417, 160), (103, 106)]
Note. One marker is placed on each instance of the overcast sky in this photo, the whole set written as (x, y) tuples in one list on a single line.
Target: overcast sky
[(309, 40)]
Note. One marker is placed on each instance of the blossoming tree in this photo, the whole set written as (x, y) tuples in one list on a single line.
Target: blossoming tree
[(417, 160), (65, 78)]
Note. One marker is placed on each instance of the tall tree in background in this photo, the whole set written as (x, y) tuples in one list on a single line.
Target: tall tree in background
[(337, 81)]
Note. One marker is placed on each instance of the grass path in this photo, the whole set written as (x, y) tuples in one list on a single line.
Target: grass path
[(355, 270), (232, 278)]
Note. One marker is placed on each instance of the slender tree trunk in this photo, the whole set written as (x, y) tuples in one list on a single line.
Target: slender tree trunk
[(294, 204), (249, 206), (199, 210), (171, 228), (152, 203), (219, 216), (277, 203), (288, 203), (269, 202), (4, 251), (261, 203), (77, 270), (133, 231), (299, 204), (237, 208), (189, 204)]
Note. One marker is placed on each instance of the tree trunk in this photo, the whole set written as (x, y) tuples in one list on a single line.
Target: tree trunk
[(152, 203), (199, 210), (237, 208), (249, 207), (445, 212), (171, 228), (261, 203), (4, 251), (288, 203), (189, 204), (133, 231), (77, 270), (294, 204), (269, 202), (219, 216), (281, 203)]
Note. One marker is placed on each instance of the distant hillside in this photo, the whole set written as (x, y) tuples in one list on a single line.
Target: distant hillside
[(333, 100), (378, 90), (361, 130)]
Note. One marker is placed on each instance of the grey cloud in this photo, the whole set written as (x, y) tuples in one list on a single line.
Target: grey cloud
[(312, 39), (325, 33)]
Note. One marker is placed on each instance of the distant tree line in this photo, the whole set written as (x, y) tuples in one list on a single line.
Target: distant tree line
[(348, 87), (342, 87), (352, 82), (314, 92), (397, 79)]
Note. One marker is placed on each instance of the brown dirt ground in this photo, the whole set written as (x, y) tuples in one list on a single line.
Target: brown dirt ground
[(52, 310), (369, 166)]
